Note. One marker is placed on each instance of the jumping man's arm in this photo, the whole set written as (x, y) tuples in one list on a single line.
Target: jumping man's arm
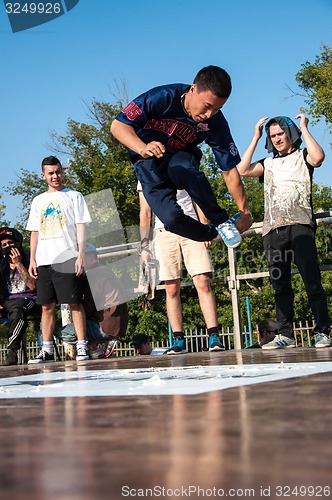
[(127, 136), (236, 190)]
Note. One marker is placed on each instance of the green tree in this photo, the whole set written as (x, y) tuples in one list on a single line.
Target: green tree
[(3, 221), (316, 80), (97, 162)]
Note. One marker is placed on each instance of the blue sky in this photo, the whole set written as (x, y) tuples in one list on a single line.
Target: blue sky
[(48, 73)]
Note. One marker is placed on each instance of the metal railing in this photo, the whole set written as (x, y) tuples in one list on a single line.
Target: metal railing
[(196, 341)]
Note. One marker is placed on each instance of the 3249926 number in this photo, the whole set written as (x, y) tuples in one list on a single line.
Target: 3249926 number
[(303, 491), (33, 8)]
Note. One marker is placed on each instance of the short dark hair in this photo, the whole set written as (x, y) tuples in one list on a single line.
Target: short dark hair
[(139, 339), (215, 79), (267, 325), (50, 160), (9, 232)]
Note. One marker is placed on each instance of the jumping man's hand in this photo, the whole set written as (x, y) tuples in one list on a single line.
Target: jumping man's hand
[(153, 148)]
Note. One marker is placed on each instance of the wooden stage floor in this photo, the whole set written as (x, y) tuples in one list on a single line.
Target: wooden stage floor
[(256, 439)]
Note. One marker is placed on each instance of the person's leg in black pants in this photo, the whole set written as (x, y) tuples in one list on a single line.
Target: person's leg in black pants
[(306, 260), (279, 256), (18, 310)]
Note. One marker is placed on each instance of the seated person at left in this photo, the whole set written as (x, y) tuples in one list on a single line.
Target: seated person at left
[(106, 325), (17, 290)]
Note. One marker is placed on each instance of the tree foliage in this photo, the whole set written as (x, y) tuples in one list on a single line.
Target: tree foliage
[(3, 221), (316, 80), (97, 161)]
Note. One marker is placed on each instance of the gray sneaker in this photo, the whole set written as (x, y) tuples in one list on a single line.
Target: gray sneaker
[(82, 353), (280, 342), (322, 340)]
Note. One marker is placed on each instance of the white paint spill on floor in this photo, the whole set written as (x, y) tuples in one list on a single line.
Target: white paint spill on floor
[(151, 381)]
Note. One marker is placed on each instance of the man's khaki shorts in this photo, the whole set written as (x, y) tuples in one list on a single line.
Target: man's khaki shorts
[(171, 250)]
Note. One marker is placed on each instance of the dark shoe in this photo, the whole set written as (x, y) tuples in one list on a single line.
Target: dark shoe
[(43, 357), (11, 358), (215, 343), (178, 347), (82, 353)]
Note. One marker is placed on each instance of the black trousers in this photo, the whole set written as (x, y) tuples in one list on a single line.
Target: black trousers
[(18, 311), (296, 244)]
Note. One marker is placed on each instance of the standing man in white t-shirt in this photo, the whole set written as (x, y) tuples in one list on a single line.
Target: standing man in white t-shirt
[(57, 223), (171, 249)]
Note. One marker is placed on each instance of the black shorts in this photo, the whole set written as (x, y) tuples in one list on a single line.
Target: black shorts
[(58, 287)]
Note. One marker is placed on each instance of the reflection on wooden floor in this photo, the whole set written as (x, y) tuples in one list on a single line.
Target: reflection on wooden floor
[(243, 442)]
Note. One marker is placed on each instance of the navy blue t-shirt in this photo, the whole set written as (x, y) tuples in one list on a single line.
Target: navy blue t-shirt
[(159, 115)]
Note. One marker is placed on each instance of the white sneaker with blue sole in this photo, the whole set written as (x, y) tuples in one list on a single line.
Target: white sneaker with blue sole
[(229, 233)]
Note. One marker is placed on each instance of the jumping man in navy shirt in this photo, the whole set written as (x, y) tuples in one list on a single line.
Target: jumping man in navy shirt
[(162, 129)]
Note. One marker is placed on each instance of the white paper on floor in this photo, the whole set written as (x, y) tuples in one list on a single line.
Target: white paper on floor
[(151, 381)]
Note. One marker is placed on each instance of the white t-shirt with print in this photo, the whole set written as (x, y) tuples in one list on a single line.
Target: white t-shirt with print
[(287, 191), (55, 215), (183, 199)]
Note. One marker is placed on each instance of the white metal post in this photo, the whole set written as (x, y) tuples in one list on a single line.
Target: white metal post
[(234, 286)]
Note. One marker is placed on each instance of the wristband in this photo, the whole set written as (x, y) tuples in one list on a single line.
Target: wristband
[(144, 240)]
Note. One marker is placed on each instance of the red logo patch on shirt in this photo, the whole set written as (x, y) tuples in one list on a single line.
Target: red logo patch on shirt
[(132, 111)]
